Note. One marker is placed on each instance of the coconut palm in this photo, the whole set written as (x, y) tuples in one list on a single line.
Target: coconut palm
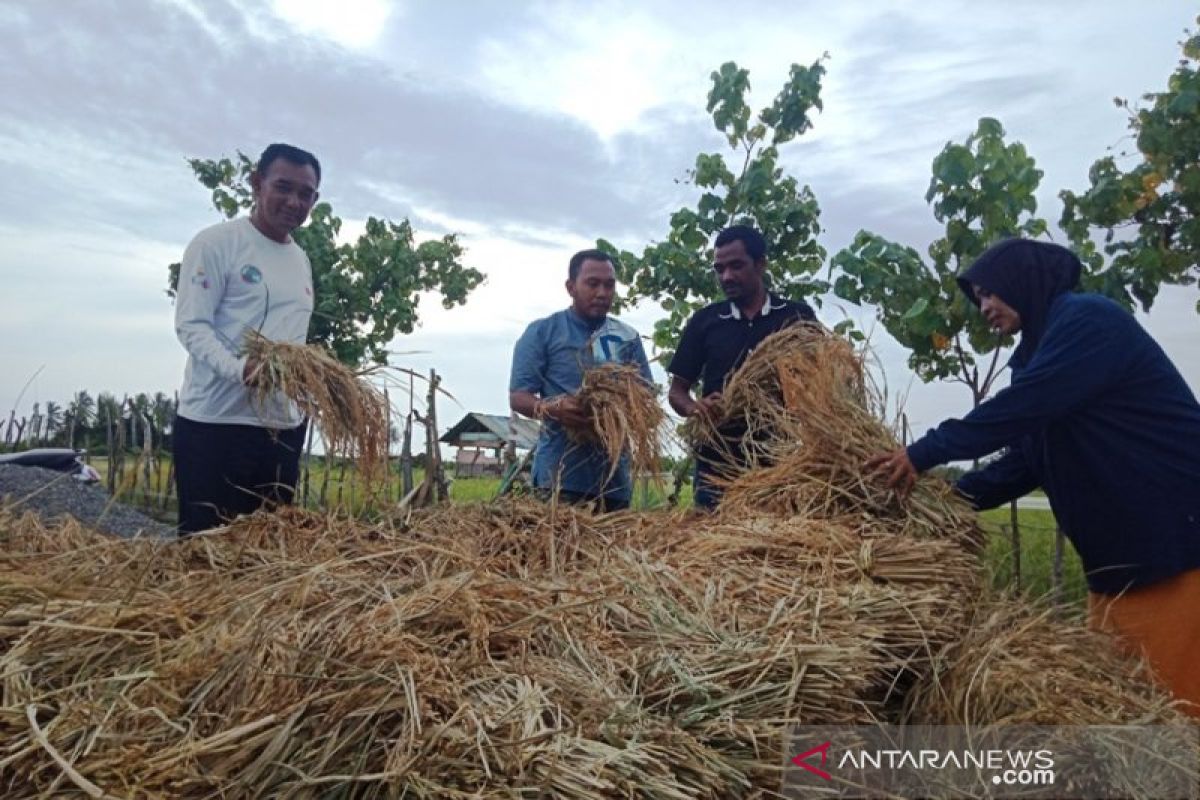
[(81, 410), (54, 421)]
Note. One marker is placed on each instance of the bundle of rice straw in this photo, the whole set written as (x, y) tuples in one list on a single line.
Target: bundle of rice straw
[(1019, 665), (351, 413), (811, 419), (624, 416)]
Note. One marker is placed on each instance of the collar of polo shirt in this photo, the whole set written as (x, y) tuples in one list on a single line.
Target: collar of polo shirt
[(736, 313)]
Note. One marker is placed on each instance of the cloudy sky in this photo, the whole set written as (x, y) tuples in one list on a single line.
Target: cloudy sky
[(531, 128)]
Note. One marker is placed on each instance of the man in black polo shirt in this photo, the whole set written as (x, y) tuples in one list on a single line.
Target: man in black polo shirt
[(717, 339)]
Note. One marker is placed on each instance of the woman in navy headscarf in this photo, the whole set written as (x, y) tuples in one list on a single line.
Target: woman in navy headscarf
[(1100, 418)]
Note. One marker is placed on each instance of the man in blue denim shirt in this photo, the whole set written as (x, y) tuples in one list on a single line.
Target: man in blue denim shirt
[(547, 370)]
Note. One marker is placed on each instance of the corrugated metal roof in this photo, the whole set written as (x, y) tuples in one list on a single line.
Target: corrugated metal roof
[(525, 431)]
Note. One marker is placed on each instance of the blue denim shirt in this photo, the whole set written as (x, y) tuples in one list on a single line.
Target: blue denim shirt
[(549, 360)]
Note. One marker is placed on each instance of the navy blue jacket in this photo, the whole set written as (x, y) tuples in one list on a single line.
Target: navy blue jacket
[(1100, 418)]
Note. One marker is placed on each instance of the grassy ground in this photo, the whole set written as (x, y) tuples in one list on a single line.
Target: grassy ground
[(1037, 533), (645, 496)]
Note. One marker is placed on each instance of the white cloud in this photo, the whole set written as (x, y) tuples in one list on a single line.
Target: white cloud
[(355, 24), (195, 12), (605, 65)]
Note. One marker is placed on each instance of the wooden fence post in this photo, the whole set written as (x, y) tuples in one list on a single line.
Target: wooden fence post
[(1015, 539), (147, 460), (387, 461), (441, 487), (307, 465), (406, 457), (325, 475), (1057, 569), (431, 481), (341, 481), (157, 437), (116, 459), (110, 479), (169, 489)]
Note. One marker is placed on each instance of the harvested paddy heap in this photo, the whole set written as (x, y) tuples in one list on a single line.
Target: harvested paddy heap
[(524, 650)]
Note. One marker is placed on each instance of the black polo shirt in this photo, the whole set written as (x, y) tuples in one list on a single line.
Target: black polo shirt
[(717, 339)]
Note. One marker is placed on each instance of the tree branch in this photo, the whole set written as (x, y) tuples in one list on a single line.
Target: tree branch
[(991, 373), (965, 371)]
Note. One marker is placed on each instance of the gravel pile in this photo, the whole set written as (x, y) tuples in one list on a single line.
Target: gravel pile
[(51, 494)]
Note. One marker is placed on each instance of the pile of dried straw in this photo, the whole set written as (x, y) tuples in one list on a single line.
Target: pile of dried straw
[(510, 650), (1059, 687), (470, 650)]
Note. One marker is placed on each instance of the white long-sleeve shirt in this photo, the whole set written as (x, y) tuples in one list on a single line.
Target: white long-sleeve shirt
[(234, 279)]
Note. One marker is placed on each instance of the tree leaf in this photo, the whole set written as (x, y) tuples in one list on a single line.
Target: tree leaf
[(917, 309)]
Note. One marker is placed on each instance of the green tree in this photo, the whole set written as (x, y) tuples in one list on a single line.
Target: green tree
[(108, 417), (108, 408), (82, 407), (366, 292), (54, 420), (80, 413), (1146, 215), (982, 191), (745, 185)]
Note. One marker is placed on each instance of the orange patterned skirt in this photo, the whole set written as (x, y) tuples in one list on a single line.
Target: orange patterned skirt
[(1162, 621)]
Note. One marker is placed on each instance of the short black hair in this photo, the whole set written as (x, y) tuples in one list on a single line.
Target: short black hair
[(287, 152), (751, 239), (585, 255)]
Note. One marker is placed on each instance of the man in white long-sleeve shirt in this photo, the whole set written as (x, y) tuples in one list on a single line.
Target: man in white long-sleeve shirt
[(233, 454)]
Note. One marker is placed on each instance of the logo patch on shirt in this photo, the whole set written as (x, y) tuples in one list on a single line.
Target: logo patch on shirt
[(608, 348), (200, 279), (251, 274)]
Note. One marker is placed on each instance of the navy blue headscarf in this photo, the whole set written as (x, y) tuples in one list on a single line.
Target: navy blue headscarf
[(1026, 275)]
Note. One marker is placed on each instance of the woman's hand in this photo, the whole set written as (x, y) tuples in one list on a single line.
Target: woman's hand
[(895, 467)]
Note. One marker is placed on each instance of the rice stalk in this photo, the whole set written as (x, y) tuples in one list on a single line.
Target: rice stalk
[(806, 420), (351, 413), (624, 418)]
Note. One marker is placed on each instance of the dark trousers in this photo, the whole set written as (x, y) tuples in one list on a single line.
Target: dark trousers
[(705, 495), (602, 504), (225, 470)]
